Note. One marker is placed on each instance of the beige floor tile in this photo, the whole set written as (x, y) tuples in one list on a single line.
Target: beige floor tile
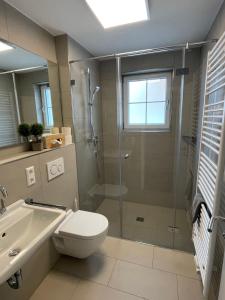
[(189, 289), (109, 246), (144, 282), (174, 261), (96, 267), (87, 290), (154, 229), (56, 286), (128, 250)]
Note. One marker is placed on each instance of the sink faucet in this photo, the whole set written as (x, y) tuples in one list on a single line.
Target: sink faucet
[(4, 192)]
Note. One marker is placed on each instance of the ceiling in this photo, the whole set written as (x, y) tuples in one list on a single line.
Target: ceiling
[(171, 22), (18, 58)]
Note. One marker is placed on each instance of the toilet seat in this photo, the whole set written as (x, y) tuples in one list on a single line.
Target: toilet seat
[(84, 225)]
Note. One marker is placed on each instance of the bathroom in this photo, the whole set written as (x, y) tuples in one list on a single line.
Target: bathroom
[(111, 158)]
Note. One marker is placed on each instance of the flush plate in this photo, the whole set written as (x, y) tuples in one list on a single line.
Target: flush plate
[(140, 219), (55, 168)]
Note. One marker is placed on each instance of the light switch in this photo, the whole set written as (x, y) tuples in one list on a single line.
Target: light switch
[(30, 173)]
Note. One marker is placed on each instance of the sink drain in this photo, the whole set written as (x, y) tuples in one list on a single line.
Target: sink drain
[(14, 252)]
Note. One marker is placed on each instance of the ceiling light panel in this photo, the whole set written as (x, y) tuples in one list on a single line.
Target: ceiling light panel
[(4, 46), (111, 13)]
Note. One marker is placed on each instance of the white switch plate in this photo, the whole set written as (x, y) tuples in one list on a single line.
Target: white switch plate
[(55, 168), (30, 173)]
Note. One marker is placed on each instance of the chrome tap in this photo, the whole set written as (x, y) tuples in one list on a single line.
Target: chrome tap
[(4, 192)]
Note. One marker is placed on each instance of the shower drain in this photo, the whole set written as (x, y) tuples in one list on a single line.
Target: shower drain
[(14, 252)]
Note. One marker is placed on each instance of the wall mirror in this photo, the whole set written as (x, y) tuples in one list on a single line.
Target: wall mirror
[(29, 92)]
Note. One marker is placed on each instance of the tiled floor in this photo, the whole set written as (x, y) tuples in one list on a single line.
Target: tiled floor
[(154, 229), (123, 270)]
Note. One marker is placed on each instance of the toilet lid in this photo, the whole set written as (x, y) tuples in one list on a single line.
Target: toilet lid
[(84, 225)]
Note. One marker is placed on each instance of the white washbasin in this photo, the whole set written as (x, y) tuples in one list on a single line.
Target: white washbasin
[(24, 227)]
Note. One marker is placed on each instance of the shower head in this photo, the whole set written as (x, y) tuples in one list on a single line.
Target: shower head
[(96, 90)]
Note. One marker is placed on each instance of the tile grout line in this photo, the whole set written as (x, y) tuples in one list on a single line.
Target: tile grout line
[(177, 274), (153, 257), (118, 290), (125, 292), (75, 288), (131, 262), (113, 269), (177, 288)]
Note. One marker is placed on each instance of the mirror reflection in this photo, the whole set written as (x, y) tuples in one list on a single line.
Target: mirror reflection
[(25, 93)]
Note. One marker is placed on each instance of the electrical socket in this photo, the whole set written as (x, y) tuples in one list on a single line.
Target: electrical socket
[(30, 173)]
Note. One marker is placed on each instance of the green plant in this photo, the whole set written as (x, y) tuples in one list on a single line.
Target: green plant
[(37, 131), (24, 130)]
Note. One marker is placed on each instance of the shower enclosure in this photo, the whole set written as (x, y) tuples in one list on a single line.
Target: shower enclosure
[(135, 123)]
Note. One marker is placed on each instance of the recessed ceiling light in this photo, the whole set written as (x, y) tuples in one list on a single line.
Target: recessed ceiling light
[(4, 46), (113, 13)]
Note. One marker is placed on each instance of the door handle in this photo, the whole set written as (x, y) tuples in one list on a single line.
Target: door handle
[(126, 156)]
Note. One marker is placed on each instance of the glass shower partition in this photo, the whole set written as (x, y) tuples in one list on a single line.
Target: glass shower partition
[(87, 120), (135, 143), (94, 100)]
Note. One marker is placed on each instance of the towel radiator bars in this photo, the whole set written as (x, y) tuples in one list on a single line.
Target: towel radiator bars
[(211, 159)]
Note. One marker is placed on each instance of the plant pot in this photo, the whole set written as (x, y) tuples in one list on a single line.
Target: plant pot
[(37, 146)]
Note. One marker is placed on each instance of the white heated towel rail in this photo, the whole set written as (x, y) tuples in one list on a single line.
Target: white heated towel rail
[(211, 159)]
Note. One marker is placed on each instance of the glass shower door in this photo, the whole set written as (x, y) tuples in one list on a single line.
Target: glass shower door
[(155, 158), (147, 140)]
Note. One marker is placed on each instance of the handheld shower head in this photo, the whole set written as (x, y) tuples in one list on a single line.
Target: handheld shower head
[(96, 90)]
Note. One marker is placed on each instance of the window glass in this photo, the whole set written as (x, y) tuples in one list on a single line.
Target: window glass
[(48, 108), (137, 91), (43, 102), (147, 101), (156, 113), (156, 90), (137, 113)]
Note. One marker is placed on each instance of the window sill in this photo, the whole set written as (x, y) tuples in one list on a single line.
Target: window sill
[(146, 130)]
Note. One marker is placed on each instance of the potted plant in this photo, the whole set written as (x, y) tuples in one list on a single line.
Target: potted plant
[(37, 131), (24, 131)]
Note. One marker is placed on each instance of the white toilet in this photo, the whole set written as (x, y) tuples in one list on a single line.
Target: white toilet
[(81, 233)]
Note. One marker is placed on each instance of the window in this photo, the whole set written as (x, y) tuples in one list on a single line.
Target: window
[(44, 105), (8, 119), (147, 101)]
